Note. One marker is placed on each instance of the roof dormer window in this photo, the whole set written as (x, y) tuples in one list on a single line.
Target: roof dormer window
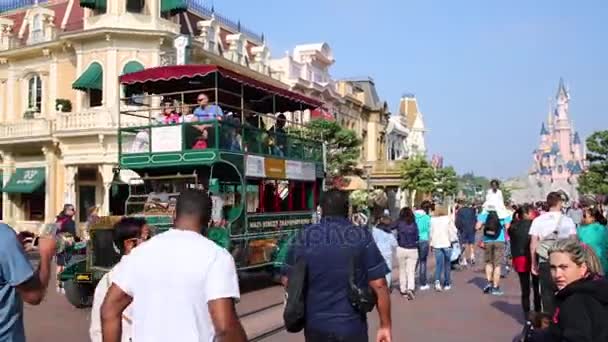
[(36, 32)]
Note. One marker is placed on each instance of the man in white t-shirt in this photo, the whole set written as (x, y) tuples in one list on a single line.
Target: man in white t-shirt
[(548, 227), (181, 286)]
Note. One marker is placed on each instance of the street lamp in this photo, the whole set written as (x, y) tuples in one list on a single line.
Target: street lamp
[(368, 168)]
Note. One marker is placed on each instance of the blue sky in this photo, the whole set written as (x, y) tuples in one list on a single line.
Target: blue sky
[(483, 71)]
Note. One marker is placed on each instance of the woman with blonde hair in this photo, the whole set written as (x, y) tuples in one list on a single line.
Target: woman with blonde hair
[(582, 293)]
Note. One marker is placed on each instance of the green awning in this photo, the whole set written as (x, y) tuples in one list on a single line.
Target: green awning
[(94, 4), (92, 78), (25, 180), (132, 66), (173, 6)]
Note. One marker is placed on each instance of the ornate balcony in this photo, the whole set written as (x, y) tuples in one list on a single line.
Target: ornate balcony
[(85, 122), (26, 130)]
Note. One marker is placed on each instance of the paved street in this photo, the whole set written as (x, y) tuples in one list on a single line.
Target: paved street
[(462, 314)]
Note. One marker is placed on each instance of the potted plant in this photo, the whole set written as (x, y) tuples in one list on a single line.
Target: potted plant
[(30, 113), (63, 105)]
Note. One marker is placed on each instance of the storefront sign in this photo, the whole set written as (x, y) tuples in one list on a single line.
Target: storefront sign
[(274, 168), (166, 139), (254, 166)]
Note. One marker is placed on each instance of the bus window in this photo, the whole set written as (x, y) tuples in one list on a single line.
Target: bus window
[(284, 194), (270, 198), (252, 196), (299, 195), (311, 195)]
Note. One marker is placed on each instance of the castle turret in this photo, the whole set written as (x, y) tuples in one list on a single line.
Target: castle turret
[(577, 147), (562, 122), (544, 137)]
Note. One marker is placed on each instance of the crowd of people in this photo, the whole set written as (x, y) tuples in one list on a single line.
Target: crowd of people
[(559, 256)]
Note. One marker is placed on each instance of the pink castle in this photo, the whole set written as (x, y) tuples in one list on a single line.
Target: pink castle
[(560, 157)]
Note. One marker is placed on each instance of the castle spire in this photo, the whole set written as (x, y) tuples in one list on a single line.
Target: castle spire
[(577, 139), (543, 129), (561, 90)]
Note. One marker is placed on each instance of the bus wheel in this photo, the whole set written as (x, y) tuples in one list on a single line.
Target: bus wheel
[(79, 295)]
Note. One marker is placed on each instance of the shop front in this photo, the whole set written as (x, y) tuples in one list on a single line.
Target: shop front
[(26, 198)]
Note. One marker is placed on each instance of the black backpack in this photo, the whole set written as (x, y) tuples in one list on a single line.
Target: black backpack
[(492, 227), (294, 314), (363, 299)]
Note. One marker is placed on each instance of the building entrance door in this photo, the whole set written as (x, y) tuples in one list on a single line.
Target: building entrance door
[(86, 200)]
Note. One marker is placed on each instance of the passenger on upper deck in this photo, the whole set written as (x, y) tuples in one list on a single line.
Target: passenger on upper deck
[(206, 111), (279, 135), (169, 115), (186, 114)]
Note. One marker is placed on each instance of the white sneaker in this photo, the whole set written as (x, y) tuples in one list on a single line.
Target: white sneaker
[(424, 287), (447, 287), (437, 286)]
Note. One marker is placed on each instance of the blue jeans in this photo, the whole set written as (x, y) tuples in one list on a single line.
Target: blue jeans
[(443, 265), (423, 253)]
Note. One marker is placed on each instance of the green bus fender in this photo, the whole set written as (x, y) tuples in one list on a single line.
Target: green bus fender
[(283, 246), (70, 270), (220, 236)]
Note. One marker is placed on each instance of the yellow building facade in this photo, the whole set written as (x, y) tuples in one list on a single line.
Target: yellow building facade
[(59, 95)]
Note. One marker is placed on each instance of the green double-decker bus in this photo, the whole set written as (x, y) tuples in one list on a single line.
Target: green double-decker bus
[(206, 127)]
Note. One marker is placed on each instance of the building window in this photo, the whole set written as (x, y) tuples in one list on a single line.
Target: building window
[(36, 33), (95, 98), (135, 6), (33, 206), (34, 94)]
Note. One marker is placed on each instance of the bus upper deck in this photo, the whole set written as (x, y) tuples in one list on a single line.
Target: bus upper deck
[(182, 115)]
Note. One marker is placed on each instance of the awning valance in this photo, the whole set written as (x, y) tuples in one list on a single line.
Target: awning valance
[(173, 6), (132, 66), (92, 78), (149, 77), (93, 4), (25, 180)]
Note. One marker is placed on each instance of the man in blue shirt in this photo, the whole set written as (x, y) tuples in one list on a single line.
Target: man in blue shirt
[(466, 218), (494, 252), (206, 111), (327, 248), (19, 282)]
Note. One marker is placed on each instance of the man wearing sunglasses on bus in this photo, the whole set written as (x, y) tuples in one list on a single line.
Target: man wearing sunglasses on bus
[(206, 111), (128, 233)]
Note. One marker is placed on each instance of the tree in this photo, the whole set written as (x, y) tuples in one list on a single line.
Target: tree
[(594, 181), (343, 146), (446, 182), (417, 175), (471, 184)]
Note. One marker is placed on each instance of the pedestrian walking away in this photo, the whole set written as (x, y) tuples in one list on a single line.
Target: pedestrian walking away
[(545, 230), (522, 260), (329, 249), (407, 252), (443, 233), (423, 222)]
